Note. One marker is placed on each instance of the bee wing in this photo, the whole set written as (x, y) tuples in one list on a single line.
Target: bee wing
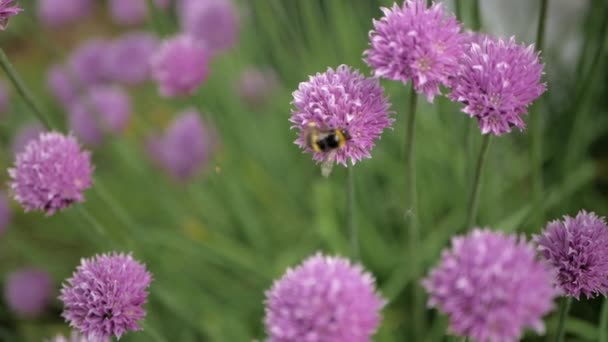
[(327, 165)]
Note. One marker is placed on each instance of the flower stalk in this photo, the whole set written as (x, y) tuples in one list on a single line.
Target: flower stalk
[(351, 212), (474, 197), (564, 309)]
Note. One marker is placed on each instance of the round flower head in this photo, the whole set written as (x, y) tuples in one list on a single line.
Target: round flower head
[(323, 299), (185, 147), (132, 12), (5, 213), (28, 292), (126, 60), (256, 86), (578, 250), (214, 22), (416, 43), (51, 173), (105, 296), (342, 100), (8, 8), (497, 81), (75, 337), (26, 133), (86, 61), (57, 13), (105, 109), (61, 85), (180, 65), (491, 287)]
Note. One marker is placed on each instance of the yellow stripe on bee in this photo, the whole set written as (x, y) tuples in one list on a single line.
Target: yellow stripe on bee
[(341, 138)]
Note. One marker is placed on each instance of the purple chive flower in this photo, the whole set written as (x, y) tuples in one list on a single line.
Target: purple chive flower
[(8, 8), (416, 43), (55, 13), (75, 337), (86, 63), (104, 110), (214, 22), (323, 299), (132, 12), (61, 85), (51, 174), (345, 100), (105, 296), (26, 133), (5, 213), (256, 86), (185, 147), (127, 58), (578, 250), (496, 82), (180, 65), (491, 286), (28, 291)]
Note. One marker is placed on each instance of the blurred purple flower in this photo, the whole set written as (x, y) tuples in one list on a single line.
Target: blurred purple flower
[(416, 43), (256, 86), (57, 13), (497, 81), (76, 337), (323, 299), (185, 147), (8, 8), (342, 99), (128, 57), (105, 109), (5, 213), (28, 291), (4, 98), (491, 286), (180, 65), (105, 296), (61, 85), (578, 250), (26, 133), (132, 12), (51, 173), (214, 22), (86, 62)]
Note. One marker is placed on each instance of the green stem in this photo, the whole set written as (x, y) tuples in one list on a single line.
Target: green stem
[(604, 322), (458, 9), (564, 308), (477, 24), (157, 21), (351, 212), (412, 212), (23, 90), (474, 197)]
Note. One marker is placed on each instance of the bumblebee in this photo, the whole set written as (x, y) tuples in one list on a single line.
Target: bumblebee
[(325, 140)]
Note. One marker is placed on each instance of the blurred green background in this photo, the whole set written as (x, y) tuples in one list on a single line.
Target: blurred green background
[(215, 244)]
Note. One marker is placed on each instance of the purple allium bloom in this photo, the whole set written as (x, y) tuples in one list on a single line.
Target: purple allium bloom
[(26, 133), (323, 299), (105, 295), (416, 43), (342, 99), (578, 250), (256, 86), (28, 291), (185, 147), (127, 58), (51, 173), (132, 12), (180, 65), (491, 286), (75, 337), (105, 109), (5, 213), (57, 13), (61, 85), (497, 81), (214, 22), (8, 8), (86, 62)]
